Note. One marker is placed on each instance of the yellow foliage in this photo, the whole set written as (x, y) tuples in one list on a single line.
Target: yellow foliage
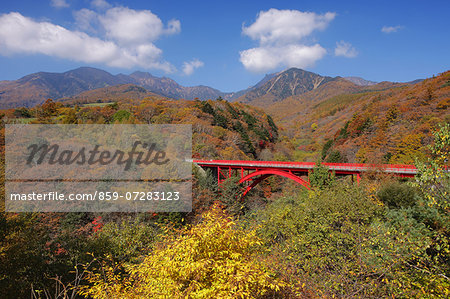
[(444, 104), (409, 148), (213, 259), (361, 155)]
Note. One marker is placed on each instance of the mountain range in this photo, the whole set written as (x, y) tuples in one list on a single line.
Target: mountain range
[(35, 88)]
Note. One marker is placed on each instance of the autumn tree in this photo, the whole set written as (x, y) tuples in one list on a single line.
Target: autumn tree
[(214, 259)]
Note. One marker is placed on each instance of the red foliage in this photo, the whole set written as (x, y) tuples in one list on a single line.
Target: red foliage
[(96, 224)]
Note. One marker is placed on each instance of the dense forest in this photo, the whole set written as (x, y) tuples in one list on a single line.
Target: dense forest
[(384, 237)]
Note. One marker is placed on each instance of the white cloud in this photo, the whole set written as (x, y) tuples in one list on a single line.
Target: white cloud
[(391, 29), (286, 26), (59, 3), (102, 4), (281, 35), (19, 34), (345, 49), (128, 26), (190, 66)]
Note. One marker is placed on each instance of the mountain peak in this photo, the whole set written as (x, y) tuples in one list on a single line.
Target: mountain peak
[(87, 71), (293, 69), (297, 70), (290, 82), (141, 75)]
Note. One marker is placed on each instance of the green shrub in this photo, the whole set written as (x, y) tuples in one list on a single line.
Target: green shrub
[(127, 240), (121, 115), (326, 147), (321, 235), (335, 157), (396, 195), (338, 242), (230, 192), (320, 177)]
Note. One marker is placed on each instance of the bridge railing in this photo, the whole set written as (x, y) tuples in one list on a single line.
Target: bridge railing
[(391, 168)]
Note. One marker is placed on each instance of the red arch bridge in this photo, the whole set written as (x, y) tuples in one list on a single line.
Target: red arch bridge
[(252, 173)]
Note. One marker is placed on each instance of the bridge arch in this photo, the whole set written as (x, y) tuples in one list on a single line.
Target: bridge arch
[(263, 174)]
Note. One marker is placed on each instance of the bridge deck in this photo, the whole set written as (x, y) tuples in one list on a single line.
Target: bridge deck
[(338, 168)]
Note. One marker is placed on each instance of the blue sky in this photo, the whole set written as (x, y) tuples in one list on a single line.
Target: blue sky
[(228, 45)]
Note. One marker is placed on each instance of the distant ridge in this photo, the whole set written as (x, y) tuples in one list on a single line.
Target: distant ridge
[(116, 93), (415, 81), (168, 87), (360, 81)]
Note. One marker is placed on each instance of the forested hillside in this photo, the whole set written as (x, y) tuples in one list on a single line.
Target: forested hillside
[(117, 93), (220, 129), (392, 125)]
